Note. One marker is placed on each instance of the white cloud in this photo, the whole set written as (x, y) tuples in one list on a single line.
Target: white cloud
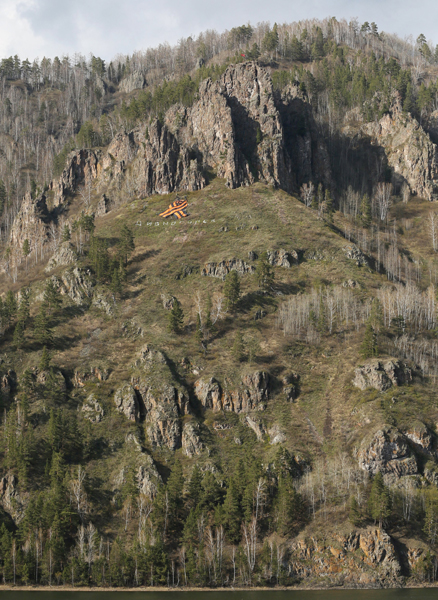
[(32, 28)]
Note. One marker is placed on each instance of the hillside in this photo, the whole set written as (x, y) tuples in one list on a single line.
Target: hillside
[(246, 395)]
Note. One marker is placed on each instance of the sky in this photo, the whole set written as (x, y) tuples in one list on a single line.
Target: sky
[(105, 28)]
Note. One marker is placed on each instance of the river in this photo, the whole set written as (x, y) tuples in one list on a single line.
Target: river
[(391, 594)]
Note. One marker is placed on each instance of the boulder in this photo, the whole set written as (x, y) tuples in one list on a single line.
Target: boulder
[(126, 402), (381, 375), (283, 258)]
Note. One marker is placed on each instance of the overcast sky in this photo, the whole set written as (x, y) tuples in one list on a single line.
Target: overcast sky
[(37, 28)]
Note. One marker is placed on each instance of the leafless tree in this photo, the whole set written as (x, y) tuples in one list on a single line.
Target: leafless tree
[(405, 192), (77, 488), (307, 192), (432, 224), (383, 199)]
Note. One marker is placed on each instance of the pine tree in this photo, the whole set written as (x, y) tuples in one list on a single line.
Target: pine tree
[(116, 284), (329, 209), (18, 338), (126, 243), (24, 306), (238, 349), (369, 348), (232, 513), (264, 273), (176, 317), (232, 290), (354, 515), (10, 307), (365, 209), (42, 332), (52, 298), (198, 330), (26, 250), (45, 360), (380, 500), (66, 235)]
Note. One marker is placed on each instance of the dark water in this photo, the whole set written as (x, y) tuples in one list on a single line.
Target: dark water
[(411, 594)]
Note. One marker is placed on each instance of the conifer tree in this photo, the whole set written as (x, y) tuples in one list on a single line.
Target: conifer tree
[(365, 209), (126, 243), (264, 273), (329, 209), (26, 250), (18, 338), (232, 290), (238, 349), (42, 332), (198, 330), (66, 235), (354, 514), (380, 500), (369, 348), (232, 513), (45, 360), (52, 298), (176, 317)]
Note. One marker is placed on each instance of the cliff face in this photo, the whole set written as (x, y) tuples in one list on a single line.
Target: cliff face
[(237, 127)]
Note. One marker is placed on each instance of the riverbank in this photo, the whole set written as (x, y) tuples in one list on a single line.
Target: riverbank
[(302, 588)]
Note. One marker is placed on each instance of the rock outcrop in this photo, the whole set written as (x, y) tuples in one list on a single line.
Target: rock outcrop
[(77, 284), (93, 374), (387, 452), (381, 375), (30, 224), (364, 558), (192, 444), (221, 269), (250, 395), (133, 81), (283, 258), (92, 409), (63, 256), (10, 498), (126, 402), (408, 148), (354, 253)]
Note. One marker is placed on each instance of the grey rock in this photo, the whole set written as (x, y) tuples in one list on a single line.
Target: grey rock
[(354, 253), (92, 409), (282, 258), (222, 268), (388, 453), (133, 81), (192, 444), (64, 256), (126, 402), (381, 375)]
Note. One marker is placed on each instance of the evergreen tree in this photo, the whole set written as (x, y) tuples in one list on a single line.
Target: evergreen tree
[(42, 332), (52, 298), (328, 206), (18, 338), (287, 505), (176, 317), (354, 515), (66, 235), (379, 501), (198, 330), (232, 513), (264, 273), (369, 348), (365, 209), (126, 243), (24, 306), (10, 307), (238, 349), (232, 290), (45, 360), (26, 250)]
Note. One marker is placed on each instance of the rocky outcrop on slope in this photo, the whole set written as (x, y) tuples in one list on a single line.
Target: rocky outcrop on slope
[(29, 224), (250, 395), (283, 258), (387, 452), (221, 269), (92, 409), (63, 256), (382, 375), (77, 284), (10, 498), (82, 167), (133, 81), (364, 558), (126, 402), (409, 150), (192, 444)]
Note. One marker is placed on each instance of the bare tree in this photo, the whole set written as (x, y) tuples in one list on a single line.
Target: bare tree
[(383, 199), (432, 223), (77, 488), (405, 192), (307, 192)]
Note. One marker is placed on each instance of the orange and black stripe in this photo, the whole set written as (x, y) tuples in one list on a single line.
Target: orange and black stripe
[(174, 208)]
